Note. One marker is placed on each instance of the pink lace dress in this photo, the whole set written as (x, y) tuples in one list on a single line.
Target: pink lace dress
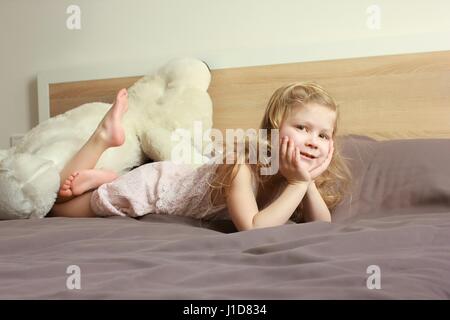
[(159, 187)]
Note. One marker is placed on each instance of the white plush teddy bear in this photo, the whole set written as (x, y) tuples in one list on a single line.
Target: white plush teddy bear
[(172, 98)]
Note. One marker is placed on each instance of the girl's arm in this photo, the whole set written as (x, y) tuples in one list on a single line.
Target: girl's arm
[(244, 210), (314, 208)]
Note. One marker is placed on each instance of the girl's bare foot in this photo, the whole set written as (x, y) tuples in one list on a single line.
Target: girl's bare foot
[(65, 192), (84, 180), (110, 129)]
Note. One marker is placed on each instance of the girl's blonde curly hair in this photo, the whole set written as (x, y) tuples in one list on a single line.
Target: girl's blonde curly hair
[(333, 184)]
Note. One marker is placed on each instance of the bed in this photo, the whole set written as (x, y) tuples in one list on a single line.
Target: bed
[(389, 240)]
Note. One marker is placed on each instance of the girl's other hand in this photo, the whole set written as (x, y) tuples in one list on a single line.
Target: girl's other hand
[(324, 165), (290, 166)]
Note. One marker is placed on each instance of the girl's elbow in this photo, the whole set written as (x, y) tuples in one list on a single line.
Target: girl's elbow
[(257, 223), (243, 225), (246, 226), (325, 219)]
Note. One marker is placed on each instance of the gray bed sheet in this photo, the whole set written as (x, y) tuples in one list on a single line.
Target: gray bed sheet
[(168, 257), (392, 231)]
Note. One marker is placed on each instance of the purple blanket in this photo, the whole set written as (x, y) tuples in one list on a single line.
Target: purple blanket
[(389, 240), (162, 257)]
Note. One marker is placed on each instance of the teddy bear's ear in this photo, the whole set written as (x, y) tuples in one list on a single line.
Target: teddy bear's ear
[(186, 72)]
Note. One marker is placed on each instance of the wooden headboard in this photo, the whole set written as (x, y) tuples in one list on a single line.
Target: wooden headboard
[(384, 97)]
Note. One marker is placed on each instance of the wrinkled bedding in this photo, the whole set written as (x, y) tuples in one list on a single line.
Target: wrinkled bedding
[(396, 219), (167, 257)]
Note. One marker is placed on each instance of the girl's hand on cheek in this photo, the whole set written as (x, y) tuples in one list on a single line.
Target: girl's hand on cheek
[(290, 166), (324, 165)]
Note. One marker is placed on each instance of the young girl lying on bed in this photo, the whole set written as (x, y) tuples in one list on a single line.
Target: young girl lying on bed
[(312, 177)]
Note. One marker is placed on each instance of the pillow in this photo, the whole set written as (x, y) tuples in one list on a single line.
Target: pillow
[(395, 177)]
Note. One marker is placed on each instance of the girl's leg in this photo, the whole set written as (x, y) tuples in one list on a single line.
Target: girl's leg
[(78, 207), (109, 133)]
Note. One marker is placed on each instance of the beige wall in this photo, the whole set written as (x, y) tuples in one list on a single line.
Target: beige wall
[(225, 33)]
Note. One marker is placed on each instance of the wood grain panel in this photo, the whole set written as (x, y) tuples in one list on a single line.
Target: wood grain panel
[(68, 95), (385, 97)]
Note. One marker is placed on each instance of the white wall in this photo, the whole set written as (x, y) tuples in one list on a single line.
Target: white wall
[(225, 33)]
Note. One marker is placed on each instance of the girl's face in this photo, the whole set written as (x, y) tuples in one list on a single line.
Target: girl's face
[(311, 129)]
